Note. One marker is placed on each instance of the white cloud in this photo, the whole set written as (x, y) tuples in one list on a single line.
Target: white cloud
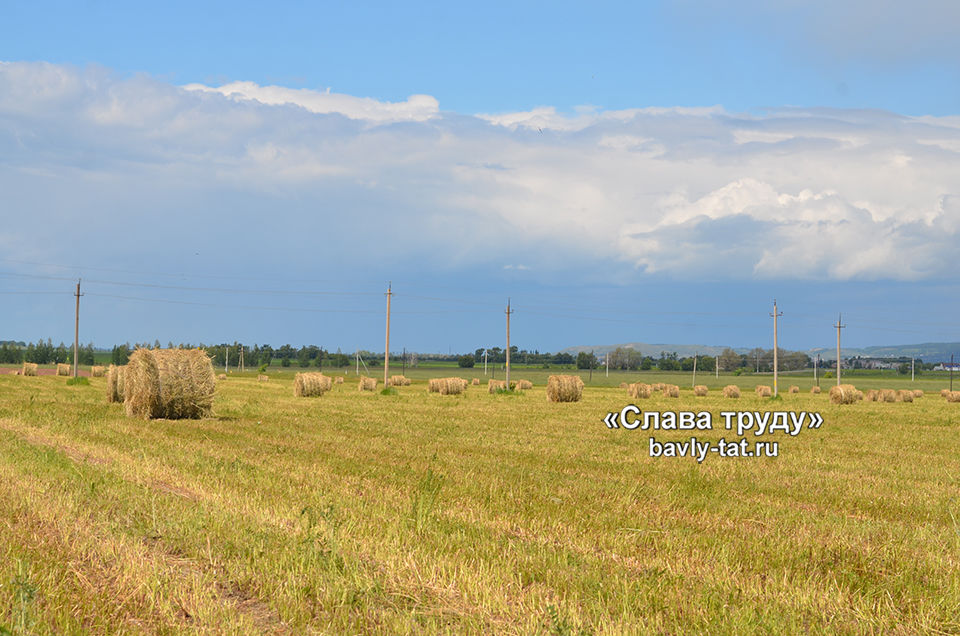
[(681, 192)]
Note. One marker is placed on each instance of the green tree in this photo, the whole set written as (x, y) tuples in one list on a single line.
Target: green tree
[(120, 354), (587, 360), (466, 362)]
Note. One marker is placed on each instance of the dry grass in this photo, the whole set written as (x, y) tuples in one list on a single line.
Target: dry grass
[(63, 369), (731, 391), (311, 384), (564, 388), (115, 383), (700, 390), (97, 371), (763, 390), (367, 384), (169, 383), (28, 368), (263, 378), (639, 390), (843, 394)]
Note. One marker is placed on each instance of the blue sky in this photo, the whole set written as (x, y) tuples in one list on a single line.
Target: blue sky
[(652, 172)]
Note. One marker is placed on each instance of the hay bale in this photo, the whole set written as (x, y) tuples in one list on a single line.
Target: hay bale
[(476, 382), (496, 385), (943, 392), (433, 385), (222, 376), (262, 378), (639, 390), (564, 388), (815, 390), (917, 393), (888, 395), (700, 390), (794, 389), (872, 396), (399, 380), (904, 396), (763, 390), (367, 384), (452, 386), (657, 386), (63, 369), (29, 368), (624, 385), (953, 396), (339, 380), (731, 391), (843, 394), (97, 371), (115, 383), (311, 384), (169, 383), (671, 390), (523, 385)]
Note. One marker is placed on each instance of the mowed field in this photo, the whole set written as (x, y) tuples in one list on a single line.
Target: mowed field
[(475, 513)]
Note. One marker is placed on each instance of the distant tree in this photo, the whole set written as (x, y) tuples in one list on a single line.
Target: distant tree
[(563, 358), (587, 360), (120, 354), (646, 364), (729, 359), (466, 362)]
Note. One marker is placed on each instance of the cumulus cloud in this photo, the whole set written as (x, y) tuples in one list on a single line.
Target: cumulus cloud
[(676, 192)]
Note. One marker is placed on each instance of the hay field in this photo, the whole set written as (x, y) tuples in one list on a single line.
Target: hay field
[(476, 513)]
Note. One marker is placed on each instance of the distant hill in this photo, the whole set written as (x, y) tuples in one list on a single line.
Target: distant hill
[(927, 351)]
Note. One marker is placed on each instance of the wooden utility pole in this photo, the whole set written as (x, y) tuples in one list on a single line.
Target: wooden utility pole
[(839, 327), (606, 359), (386, 353), (951, 372), (226, 358), (816, 363), (694, 370), (76, 333), (913, 369), (775, 315), (716, 364), (508, 312), (403, 362)]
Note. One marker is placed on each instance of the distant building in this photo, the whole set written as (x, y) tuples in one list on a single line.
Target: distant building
[(947, 366)]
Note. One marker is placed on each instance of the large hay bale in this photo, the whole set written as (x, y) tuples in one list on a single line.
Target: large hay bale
[(731, 391), (657, 386), (624, 385), (29, 368), (872, 396), (794, 389), (917, 393), (564, 388), (671, 390), (815, 390), (843, 394), (367, 384), (115, 383), (953, 396), (476, 382), (700, 390), (888, 395), (496, 385), (262, 378), (523, 385), (904, 396), (222, 376), (763, 390), (452, 386), (943, 392), (311, 384), (169, 383), (399, 380), (433, 385), (63, 369), (97, 371), (639, 390)]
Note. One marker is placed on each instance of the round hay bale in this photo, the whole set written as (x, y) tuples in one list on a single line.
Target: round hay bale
[(700, 390), (624, 385), (815, 390), (115, 383), (29, 368), (671, 390), (943, 392), (904, 396), (63, 369), (564, 388), (476, 382), (843, 394), (433, 385), (311, 384), (496, 385), (731, 391), (222, 376), (763, 390), (917, 393), (169, 383), (888, 395), (263, 378), (339, 380), (953, 396), (399, 380), (523, 385), (97, 371), (367, 384), (794, 389), (639, 390), (452, 386), (872, 395)]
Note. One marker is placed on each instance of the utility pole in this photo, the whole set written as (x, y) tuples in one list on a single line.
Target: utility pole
[(913, 374), (839, 327), (386, 353), (404, 362), (76, 334), (508, 312), (226, 359), (951, 372), (694, 369), (716, 364), (606, 359), (357, 355), (816, 363), (484, 362), (241, 358), (775, 315)]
